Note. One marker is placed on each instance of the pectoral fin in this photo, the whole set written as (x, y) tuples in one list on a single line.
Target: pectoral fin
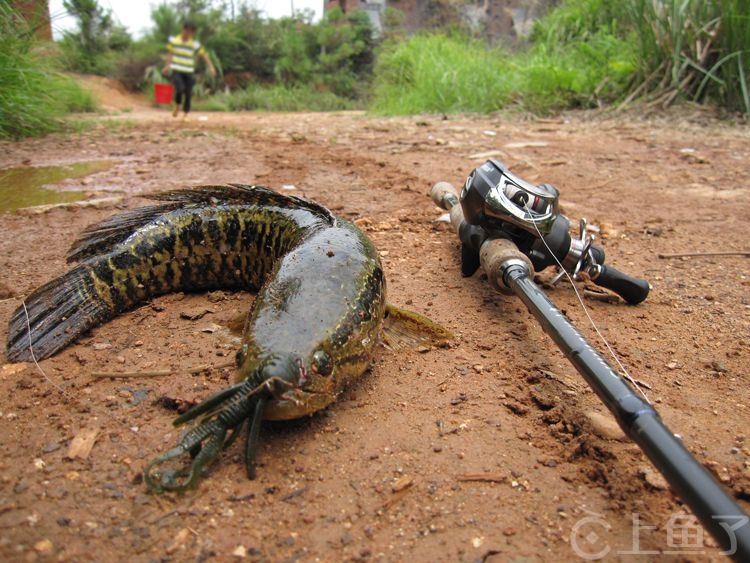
[(403, 328)]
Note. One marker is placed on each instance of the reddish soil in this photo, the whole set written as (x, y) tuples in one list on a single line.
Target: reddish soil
[(381, 474)]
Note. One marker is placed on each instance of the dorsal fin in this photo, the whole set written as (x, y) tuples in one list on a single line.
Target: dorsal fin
[(102, 237), (240, 194)]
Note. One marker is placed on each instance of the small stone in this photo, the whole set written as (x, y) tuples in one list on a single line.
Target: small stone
[(654, 479), (51, 447), (240, 551), (43, 546), (195, 314), (605, 426), (402, 483), (179, 541)]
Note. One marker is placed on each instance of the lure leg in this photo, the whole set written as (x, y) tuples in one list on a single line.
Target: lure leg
[(253, 432), (203, 443), (223, 412)]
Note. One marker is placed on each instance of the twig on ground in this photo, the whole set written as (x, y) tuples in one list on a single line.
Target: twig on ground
[(694, 254)]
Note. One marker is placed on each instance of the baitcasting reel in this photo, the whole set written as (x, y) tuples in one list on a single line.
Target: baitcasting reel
[(498, 204)]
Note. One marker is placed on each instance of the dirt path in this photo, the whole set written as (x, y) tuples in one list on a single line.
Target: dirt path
[(379, 476)]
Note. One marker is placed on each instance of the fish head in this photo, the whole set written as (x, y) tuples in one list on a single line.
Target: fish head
[(300, 385)]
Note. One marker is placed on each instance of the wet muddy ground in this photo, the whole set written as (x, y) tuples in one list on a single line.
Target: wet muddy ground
[(493, 449)]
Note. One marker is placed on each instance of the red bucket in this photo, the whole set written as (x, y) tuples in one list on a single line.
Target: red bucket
[(163, 93)]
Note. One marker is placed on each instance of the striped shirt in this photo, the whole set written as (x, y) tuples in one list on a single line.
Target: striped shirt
[(184, 53)]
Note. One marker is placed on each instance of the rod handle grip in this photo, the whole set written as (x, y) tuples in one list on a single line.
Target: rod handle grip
[(633, 290)]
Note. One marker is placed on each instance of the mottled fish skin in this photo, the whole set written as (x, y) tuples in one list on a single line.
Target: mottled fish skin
[(198, 244), (325, 291), (312, 328), (316, 321)]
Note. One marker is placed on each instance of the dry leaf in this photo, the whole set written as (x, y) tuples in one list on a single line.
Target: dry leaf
[(81, 445)]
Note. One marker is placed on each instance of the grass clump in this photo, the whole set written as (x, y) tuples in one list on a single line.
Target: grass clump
[(296, 98), (692, 49), (34, 96), (583, 53), (441, 73)]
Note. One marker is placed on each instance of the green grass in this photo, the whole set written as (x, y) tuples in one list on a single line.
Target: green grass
[(584, 53), (690, 49), (440, 73), (34, 97), (277, 98), (437, 73)]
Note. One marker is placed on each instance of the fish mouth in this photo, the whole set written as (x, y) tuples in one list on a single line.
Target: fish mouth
[(296, 403)]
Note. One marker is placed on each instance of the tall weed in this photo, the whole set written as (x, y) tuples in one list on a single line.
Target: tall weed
[(692, 49), (438, 73), (33, 96), (277, 98)]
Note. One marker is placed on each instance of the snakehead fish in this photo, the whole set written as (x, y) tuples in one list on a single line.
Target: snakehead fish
[(312, 329)]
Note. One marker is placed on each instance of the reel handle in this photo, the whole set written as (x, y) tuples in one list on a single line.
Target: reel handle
[(633, 290)]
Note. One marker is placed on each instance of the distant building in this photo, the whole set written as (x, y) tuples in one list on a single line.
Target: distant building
[(36, 14), (498, 18), (374, 9)]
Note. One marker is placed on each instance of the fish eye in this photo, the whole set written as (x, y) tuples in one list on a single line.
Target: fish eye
[(321, 363)]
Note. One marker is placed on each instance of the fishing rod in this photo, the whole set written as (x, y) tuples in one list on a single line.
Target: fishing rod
[(512, 228)]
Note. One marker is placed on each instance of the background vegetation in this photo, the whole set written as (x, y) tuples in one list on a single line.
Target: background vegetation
[(582, 54), (34, 95)]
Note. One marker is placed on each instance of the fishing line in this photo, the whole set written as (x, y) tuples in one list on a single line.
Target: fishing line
[(612, 353), (106, 414), (33, 356)]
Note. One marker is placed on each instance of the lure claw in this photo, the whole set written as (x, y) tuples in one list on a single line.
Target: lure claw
[(202, 443), (225, 414)]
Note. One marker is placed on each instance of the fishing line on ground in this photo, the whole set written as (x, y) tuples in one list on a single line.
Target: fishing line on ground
[(67, 396), (62, 391), (611, 351), (33, 356)]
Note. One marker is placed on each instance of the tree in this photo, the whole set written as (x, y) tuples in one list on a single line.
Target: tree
[(97, 37)]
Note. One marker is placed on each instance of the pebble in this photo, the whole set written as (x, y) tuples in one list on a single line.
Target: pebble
[(654, 478), (44, 546), (605, 426), (402, 483), (179, 540)]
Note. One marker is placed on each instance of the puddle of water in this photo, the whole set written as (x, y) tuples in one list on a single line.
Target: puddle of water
[(24, 186)]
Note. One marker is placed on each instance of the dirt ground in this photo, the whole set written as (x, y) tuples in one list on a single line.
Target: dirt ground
[(493, 449)]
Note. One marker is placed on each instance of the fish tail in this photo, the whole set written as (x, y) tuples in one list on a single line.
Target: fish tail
[(55, 314)]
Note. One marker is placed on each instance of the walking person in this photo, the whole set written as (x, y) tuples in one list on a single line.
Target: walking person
[(182, 51)]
